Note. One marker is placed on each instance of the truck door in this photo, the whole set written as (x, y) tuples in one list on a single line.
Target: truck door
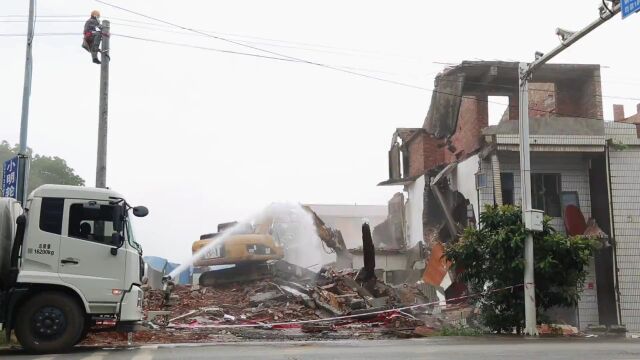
[(86, 261)]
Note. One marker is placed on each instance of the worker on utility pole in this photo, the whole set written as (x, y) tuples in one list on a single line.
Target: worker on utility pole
[(93, 35)]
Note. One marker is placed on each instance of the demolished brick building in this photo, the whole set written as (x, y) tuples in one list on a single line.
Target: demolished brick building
[(456, 164)]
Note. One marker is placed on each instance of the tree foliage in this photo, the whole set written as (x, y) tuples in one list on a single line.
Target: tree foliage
[(491, 258), (44, 169)]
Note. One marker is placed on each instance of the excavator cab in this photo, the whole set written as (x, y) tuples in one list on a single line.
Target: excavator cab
[(240, 254)]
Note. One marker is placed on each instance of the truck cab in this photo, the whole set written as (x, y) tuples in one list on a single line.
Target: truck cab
[(74, 263)]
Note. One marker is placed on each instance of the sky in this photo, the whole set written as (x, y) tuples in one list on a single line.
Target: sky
[(203, 137)]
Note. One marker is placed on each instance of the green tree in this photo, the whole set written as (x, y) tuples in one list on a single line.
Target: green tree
[(44, 169), (491, 258)]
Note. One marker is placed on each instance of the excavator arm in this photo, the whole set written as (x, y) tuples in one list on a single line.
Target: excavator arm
[(333, 239)]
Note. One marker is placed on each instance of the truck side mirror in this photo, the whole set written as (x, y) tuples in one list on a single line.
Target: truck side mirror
[(118, 219), (140, 211), (116, 239)]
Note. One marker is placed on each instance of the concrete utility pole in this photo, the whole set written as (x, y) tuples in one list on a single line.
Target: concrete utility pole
[(23, 157), (101, 163), (532, 217)]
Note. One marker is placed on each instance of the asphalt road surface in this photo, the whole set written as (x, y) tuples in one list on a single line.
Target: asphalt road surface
[(442, 348)]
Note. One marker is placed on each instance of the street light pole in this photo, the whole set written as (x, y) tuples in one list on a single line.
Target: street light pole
[(23, 157), (525, 72), (525, 195)]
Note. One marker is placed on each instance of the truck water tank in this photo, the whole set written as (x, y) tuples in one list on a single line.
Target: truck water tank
[(9, 211)]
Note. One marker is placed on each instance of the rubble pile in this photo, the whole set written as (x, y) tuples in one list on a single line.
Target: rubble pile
[(253, 303), (289, 305)]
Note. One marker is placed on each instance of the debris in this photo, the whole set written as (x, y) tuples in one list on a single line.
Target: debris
[(192, 312), (424, 331), (280, 307), (317, 327), (555, 329), (213, 311), (151, 315), (265, 296)]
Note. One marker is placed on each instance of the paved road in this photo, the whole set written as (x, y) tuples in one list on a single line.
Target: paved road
[(447, 348)]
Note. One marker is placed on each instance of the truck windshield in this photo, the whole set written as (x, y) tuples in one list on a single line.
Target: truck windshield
[(131, 237)]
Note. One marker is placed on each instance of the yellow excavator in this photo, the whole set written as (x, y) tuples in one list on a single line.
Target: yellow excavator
[(244, 254)]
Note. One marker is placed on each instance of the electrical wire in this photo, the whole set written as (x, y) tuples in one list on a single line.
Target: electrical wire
[(280, 57), (39, 34), (200, 47), (291, 60), (132, 37), (260, 40), (304, 62), (327, 66)]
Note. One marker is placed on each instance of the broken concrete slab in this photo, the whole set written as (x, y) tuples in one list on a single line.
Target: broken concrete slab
[(265, 296)]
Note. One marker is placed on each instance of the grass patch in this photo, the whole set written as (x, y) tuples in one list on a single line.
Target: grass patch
[(459, 331)]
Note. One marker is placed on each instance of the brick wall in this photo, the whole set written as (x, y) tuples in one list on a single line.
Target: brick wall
[(416, 155), (425, 153), (580, 98), (474, 116), (618, 116)]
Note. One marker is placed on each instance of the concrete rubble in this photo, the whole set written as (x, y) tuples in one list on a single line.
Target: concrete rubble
[(289, 305)]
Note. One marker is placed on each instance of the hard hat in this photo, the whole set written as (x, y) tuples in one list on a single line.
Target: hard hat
[(95, 13)]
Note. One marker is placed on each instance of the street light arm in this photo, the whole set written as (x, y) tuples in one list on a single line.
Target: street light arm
[(571, 40)]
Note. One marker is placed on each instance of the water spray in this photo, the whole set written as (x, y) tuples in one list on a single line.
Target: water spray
[(288, 222)]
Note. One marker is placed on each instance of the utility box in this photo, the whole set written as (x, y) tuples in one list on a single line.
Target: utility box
[(533, 219)]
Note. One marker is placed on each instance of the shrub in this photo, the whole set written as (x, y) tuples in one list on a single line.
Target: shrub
[(491, 258)]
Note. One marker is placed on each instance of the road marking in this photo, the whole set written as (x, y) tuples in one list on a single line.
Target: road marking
[(144, 355), (96, 356)]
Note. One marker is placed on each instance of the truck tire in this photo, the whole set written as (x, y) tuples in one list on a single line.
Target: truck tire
[(85, 330), (50, 322)]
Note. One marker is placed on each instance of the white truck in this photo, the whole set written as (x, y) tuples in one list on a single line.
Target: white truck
[(69, 264)]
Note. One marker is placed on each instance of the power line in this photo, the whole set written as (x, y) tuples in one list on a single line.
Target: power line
[(201, 47), (324, 65), (261, 40), (293, 59), (179, 45), (40, 34)]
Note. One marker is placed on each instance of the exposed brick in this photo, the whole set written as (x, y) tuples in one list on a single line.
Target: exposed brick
[(618, 112), (425, 153), (473, 117), (416, 155)]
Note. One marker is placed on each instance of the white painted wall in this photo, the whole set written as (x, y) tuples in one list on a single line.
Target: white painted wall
[(413, 211), (574, 173), (464, 181), (625, 196), (388, 262), (348, 219)]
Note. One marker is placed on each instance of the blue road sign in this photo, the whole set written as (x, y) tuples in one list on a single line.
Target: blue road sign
[(629, 7), (10, 178)]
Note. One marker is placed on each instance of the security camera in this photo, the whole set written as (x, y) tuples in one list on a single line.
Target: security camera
[(564, 34), (539, 55)]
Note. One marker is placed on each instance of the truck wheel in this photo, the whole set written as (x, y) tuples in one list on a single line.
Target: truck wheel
[(49, 322), (85, 330)]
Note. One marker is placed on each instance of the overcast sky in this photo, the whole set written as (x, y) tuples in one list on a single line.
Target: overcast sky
[(203, 137)]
